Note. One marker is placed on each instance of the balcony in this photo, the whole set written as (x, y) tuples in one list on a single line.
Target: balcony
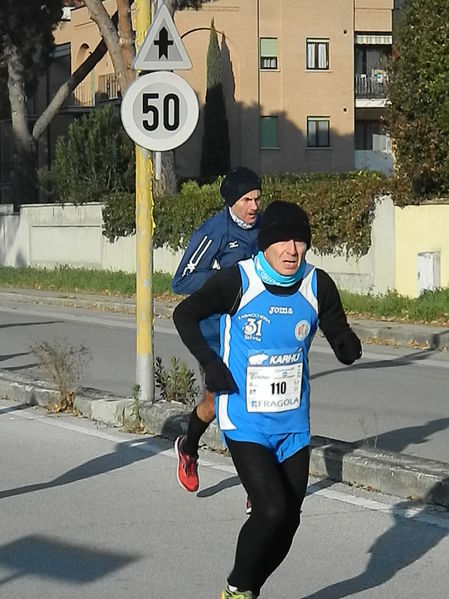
[(108, 87), (371, 88), (88, 94), (371, 91), (83, 96)]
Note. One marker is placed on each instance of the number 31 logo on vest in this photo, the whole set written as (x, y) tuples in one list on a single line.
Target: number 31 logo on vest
[(252, 327)]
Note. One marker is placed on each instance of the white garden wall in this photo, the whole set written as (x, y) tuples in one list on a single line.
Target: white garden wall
[(51, 234)]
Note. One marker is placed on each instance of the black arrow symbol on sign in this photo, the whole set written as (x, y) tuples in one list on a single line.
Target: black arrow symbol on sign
[(163, 42)]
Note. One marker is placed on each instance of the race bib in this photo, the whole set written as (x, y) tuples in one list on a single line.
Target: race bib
[(273, 382)]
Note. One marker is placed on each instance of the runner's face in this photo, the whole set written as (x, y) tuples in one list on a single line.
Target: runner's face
[(286, 256), (247, 207)]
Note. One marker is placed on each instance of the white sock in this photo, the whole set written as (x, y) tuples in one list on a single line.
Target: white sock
[(232, 589)]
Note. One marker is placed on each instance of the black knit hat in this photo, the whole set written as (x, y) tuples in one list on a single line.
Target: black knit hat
[(283, 221), (239, 181)]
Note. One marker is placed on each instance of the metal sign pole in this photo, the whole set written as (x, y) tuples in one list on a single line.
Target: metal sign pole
[(144, 246), (159, 112)]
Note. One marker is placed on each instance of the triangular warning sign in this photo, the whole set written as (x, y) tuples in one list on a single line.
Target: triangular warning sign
[(162, 48)]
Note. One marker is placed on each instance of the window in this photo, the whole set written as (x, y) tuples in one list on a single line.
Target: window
[(371, 135), (268, 132), (318, 132), (317, 53), (268, 53), (370, 59), (370, 74)]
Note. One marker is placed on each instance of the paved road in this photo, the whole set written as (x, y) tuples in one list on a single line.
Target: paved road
[(394, 398), (92, 513)]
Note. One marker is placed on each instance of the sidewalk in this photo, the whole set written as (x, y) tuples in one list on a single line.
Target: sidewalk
[(396, 474)]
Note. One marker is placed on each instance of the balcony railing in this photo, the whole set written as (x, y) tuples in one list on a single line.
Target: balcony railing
[(108, 87), (83, 95), (87, 94), (370, 88)]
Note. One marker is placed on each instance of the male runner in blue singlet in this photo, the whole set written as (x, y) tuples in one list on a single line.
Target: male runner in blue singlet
[(271, 307)]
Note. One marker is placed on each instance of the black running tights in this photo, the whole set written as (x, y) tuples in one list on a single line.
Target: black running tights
[(276, 492)]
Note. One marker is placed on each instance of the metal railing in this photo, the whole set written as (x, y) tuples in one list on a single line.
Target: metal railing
[(82, 95), (86, 94), (370, 87), (108, 86)]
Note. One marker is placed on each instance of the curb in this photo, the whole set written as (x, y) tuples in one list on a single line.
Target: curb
[(388, 332), (401, 334), (387, 472), (162, 308)]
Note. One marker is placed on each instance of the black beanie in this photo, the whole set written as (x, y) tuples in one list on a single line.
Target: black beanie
[(238, 182), (283, 221)]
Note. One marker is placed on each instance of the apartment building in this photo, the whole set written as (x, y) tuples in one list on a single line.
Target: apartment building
[(304, 81)]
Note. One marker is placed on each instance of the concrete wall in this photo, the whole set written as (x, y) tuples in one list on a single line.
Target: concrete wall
[(51, 234), (374, 160), (420, 229), (14, 246), (374, 272), (368, 12)]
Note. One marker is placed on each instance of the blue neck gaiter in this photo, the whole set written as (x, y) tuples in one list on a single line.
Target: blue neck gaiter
[(271, 277)]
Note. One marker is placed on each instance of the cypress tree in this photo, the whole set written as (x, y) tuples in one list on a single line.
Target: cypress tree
[(215, 154)]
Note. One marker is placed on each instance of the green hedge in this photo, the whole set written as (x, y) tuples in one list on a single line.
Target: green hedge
[(340, 207), (94, 159)]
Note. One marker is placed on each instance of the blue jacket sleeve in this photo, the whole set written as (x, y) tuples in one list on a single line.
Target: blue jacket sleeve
[(199, 261)]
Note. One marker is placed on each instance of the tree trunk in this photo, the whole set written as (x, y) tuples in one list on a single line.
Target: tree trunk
[(109, 33), (23, 173), (126, 38), (169, 5), (167, 184)]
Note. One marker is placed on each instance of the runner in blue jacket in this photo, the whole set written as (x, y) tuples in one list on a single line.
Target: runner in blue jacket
[(220, 242)]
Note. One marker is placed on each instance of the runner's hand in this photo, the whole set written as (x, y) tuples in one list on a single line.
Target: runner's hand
[(218, 377), (347, 347)]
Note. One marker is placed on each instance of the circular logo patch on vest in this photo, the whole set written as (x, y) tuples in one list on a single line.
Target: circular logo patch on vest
[(302, 329)]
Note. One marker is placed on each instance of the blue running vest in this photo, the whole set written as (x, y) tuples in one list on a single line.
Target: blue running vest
[(265, 344)]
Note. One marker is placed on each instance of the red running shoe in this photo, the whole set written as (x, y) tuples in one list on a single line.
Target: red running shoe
[(248, 506), (187, 472)]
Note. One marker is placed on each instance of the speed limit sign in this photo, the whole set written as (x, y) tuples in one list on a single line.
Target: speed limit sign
[(159, 111)]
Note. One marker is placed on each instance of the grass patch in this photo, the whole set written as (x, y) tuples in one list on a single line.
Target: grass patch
[(65, 278), (429, 307)]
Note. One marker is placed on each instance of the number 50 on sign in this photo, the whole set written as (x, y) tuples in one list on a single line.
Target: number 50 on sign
[(159, 111)]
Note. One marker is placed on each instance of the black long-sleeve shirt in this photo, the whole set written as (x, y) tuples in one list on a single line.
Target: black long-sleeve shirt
[(221, 295)]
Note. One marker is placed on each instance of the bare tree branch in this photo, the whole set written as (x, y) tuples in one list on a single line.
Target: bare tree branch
[(109, 33), (68, 86)]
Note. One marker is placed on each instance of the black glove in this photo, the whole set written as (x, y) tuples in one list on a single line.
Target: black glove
[(347, 347), (218, 377)]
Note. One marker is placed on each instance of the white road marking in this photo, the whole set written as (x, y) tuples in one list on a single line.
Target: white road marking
[(420, 514)]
